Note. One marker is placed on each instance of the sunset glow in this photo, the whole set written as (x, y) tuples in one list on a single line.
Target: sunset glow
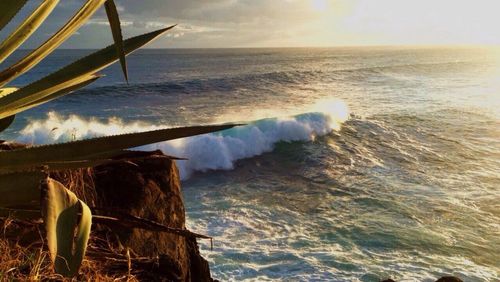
[(296, 23), (393, 22)]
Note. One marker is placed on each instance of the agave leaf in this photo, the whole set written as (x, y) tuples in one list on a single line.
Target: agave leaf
[(31, 99), (90, 148), (91, 161), (114, 23), (32, 59), (120, 156), (60, 90), (9, 9), (27, 28), (6, 91), (6, 122), (73, 72), (67, 222)]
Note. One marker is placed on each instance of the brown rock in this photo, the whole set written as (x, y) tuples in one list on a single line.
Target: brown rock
[(449, 279), (147, 186)]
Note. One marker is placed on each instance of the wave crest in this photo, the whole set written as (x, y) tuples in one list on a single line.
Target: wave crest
[(216, 151)]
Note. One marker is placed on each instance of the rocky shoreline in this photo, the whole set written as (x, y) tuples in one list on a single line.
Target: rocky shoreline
[(142, 185), (145, 185)]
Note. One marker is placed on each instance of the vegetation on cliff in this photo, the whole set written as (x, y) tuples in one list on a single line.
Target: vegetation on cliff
[(27, 190)]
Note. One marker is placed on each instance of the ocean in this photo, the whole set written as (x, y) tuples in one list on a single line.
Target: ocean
[(355, 164)]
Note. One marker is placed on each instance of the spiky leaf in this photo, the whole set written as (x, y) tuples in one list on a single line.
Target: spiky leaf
[(32, 99), (67, 222), (74, 72), (27, 27), (32, 59), (60, 90), (9, 8), (114, 23), (90, 148), (6, 122), (6, 91)]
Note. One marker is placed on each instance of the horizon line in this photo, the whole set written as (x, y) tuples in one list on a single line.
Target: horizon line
[(312, 47)]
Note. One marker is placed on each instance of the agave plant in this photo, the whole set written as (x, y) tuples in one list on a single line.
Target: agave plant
[(26, 190)]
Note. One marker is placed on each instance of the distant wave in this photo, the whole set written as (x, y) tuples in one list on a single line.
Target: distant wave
[(217, 151), (203, 85), (263, 81)]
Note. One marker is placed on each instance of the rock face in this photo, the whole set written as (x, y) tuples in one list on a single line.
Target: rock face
[(442, 279), (147, 187), (150, 188), (449, 279)]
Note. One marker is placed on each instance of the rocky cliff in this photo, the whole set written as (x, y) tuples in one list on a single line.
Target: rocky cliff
[(147, 185), (143, 185)]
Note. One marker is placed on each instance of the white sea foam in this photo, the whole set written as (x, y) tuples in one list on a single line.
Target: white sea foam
[(217, 151)]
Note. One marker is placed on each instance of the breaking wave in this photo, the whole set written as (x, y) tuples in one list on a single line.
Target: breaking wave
[(216, 151)]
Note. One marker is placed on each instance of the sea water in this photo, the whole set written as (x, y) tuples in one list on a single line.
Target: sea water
[(354, 164)]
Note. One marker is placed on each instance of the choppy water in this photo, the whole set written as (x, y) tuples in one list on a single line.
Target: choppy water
[(356, 164)]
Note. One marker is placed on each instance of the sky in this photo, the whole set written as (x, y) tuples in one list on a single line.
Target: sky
[(285, 23)]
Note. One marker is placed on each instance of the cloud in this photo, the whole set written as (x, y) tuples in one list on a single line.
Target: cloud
[(264, 23), (217, 23)]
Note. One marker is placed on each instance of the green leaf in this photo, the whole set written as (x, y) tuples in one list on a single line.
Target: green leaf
[(77, 71), (28, 99), (120, 156), (6, 91), (32, 59), (114, 23), (24, 31), (9, 8), (67, 222), (62, 89), (6, 122), (96, 147)]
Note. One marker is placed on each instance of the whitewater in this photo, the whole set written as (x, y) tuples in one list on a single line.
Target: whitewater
[(354, 164), (217, 151)]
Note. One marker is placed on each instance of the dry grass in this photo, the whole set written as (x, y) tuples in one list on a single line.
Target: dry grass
[(80, 182), (23, 263), (21, 260), (24, 256)]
